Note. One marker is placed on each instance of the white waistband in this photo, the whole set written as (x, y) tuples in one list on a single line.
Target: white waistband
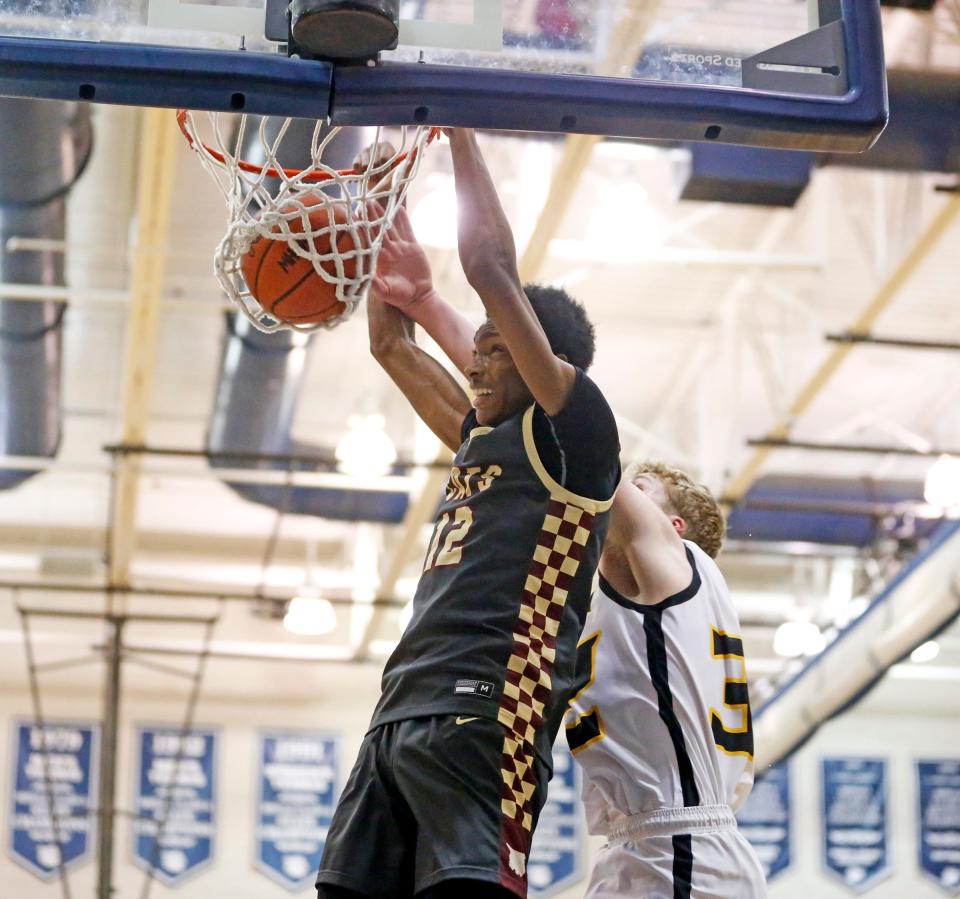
[(665, 822)]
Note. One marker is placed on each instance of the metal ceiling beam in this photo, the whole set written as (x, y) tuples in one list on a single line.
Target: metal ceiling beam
[(155, 178), (871, 340), (82, 615), (627, 40), (320, 457), (306, 478), (738, 486), (61, 587), (193, 542), (785, 443), (107, 296)]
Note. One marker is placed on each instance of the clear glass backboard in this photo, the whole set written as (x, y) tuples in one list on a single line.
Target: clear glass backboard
[(807, 74)]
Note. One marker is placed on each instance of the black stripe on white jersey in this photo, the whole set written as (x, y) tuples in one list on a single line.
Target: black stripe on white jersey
[(682, 866), (659, 675)]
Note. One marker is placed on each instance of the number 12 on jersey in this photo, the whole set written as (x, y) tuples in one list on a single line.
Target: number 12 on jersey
[(446, 545)]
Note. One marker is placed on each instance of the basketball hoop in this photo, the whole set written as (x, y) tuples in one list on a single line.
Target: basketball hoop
[(267, 200)]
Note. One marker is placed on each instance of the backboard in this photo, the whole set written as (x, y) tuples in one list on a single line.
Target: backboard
[(802, 74)]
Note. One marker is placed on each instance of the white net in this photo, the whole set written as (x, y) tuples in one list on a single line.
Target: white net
[(333, 219)]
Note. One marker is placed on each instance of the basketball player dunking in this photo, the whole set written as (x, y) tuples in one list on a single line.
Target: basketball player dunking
[(452, 774), (661, 724)]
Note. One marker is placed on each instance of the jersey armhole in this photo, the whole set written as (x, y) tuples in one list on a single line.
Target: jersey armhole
[(557, 490), (687, 593)]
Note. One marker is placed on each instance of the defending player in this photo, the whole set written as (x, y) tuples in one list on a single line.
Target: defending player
[(662, 726), (451, 777)]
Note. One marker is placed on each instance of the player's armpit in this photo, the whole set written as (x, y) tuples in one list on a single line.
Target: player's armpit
[(643, 537)]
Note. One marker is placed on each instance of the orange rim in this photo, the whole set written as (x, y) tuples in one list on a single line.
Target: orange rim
[(274, 172)]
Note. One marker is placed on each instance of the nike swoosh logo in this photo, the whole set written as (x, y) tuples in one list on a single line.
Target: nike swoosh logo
[(462, 720)]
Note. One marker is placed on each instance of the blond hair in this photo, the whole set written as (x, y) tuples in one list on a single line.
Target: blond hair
[(691, 501)]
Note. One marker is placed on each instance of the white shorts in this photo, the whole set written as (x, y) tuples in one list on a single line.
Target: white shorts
[(690, 853)]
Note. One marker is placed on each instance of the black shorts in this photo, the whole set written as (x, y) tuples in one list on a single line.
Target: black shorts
[(428, 801)]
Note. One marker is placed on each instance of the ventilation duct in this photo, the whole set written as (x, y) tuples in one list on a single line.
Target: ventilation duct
[(262, 376), (923, 135), (261, 379), (44, 146), (830, 511)]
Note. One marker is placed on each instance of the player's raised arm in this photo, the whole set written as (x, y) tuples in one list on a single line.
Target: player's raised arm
[(489, 260), (404, 280), (434, 394), (644, 557)]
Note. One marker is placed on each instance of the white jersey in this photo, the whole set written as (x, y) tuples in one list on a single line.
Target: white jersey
[(663, 722)]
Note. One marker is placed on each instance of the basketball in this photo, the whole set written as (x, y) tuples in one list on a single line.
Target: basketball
[(285, 284)]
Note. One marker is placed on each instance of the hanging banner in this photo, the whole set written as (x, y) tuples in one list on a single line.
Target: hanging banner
[(556, 855), (296, 794), (764, 819), (56, 762), (174, 806), (938, 791), (856, 844)]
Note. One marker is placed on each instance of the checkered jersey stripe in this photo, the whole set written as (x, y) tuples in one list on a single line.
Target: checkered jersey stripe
[(526, 691)]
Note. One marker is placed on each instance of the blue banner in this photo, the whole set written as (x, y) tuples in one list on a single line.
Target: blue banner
[(765, 821), (175, 814), (938, 790), (856, 843), (63, 755), (556, 856), (296, 795)]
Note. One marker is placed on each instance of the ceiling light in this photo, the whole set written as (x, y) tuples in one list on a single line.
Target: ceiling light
[(942, 485), (310, 616), (816, 643), (855, 608), (925, 652), (382, 648), (366, 450), (434, 218), (798, 638), (623, 222)]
